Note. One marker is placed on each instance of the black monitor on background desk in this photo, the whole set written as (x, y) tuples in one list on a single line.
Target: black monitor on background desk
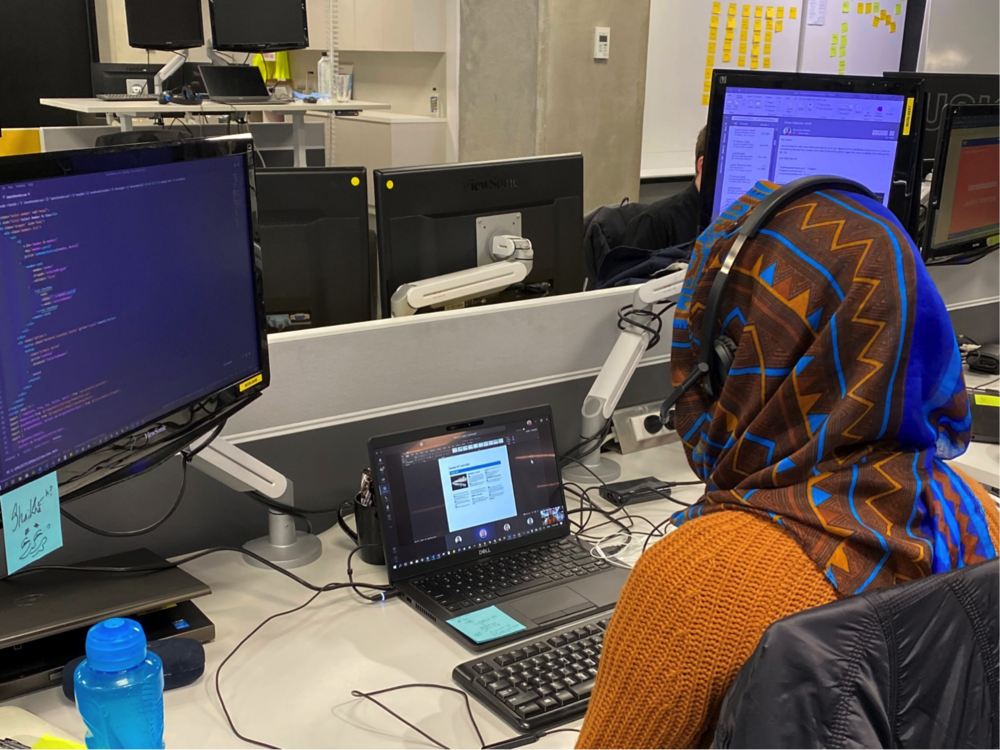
[(438, 220), (129, 78), (318, 268), (259, 25), (781, 126), (944, 89), (164, 25)]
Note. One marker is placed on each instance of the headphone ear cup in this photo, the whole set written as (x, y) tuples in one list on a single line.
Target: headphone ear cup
[(722, 362)]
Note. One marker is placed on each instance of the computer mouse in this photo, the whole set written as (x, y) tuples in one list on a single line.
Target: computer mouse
[(310, 100)]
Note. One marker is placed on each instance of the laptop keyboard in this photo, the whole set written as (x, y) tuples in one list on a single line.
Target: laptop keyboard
[(508, 574), (542, 683)]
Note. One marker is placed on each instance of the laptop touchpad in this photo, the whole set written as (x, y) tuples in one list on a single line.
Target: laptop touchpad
[(541, 607)]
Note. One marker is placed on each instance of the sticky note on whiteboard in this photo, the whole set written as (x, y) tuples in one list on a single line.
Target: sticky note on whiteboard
[(793, 12), (876, 7), (843, 27), (711, 48), (868, 7), (767, 62), (781, 11), (713, 34), (892, 27), (842, 66), (758, 11), (753, 63), (875, 22), (770, 11), (778, 25), (716, 7), (899, 9), (746, 11), (741, 61), (704, 100), (847, 7), (32, 527), (833, 51)]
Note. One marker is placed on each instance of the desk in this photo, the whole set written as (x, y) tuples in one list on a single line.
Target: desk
[(982, 460), (291, 684), (126, 111)]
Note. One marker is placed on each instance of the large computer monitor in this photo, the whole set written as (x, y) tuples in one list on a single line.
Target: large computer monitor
[(131, 313), (259, 25), (945, 89), (780, 126), (159, 25), (129, 78), (439, 220), (963, 214), (318, 269)]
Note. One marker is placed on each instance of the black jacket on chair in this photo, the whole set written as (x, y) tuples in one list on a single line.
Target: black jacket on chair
[(911, 666)]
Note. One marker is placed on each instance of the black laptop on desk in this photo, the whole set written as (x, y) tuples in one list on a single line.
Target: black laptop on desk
[(234, 84), (475, 530)]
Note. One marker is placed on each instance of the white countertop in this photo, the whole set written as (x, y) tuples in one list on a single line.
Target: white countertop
[(394, 118), (291, 684), (100, 107)]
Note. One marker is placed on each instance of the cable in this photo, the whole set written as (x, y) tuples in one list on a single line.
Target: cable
[(465, 697), (385, 593)]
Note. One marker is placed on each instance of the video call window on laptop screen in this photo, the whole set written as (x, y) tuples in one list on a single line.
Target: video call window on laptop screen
[(780, 135), (450, 494)]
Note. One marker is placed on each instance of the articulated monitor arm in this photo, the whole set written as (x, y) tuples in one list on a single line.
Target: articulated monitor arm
[(514, 257), (602, 400), (240, 471)]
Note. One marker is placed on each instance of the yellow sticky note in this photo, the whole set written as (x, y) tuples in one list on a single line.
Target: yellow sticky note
[(842, 66), (704, 100), (767, 49), (743, 48), (758, 11), (746, 11), (847, 7), (843, 27), (711, 48), (753, 63), (843, 51), (767, 62), (899, 9), (726, 57), (875, 21), (770, 11), (892, 27), (757, 25), (710, 60), (707, 88), (713, 34), (732, 9), (861, 7), (781, 11), (731, 23), (48, 742), (793, 12), (755, 50), (868, 7), (730, 34), (777, 26), (741, 61), (876, 8), (716, 7), (769, 24), (756, 38), (833, 51), (743, 35), (714, 23), (768, 36), (708, 74)]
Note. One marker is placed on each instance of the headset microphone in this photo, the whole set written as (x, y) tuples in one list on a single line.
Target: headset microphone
[(656, 422)]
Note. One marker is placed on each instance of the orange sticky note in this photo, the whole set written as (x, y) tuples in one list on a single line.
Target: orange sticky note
[(711, 48), (716, 7), (741, 61), (767, 49), (767, 62), (758, 11), (746, 11), (777, 26), (753, 63), (713, 34), (743, 48), (704, 100), (714, 23), (793, 12)]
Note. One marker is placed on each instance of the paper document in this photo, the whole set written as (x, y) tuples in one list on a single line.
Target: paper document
[(816, 13)]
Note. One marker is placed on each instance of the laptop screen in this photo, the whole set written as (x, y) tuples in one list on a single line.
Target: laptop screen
[(469, 492), (231, 81)]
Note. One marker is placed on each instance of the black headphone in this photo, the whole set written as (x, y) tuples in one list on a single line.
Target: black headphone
[(716, 352), (186, 96)]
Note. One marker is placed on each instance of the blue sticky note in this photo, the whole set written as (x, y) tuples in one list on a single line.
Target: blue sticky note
[(486, 625), (32, 527)]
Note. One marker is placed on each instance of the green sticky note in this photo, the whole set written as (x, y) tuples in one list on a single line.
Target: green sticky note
[(899, 9), (878, 9), (847, 7), (486, 625), (31, 524), (48, 742), (843, 27)]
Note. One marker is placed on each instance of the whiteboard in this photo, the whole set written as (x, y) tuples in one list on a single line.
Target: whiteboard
[(854, 38), (687, 39)]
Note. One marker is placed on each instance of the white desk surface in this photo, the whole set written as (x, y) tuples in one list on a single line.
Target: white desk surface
[(982, 460), (100, 107), (290, 685)]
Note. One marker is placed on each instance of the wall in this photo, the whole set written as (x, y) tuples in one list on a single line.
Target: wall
[(529, 85), (960, 36)]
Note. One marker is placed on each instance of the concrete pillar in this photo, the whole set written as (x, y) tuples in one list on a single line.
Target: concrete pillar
[(529, 85)]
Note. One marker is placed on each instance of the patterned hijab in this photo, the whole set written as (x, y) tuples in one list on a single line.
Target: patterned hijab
[(845, 394)]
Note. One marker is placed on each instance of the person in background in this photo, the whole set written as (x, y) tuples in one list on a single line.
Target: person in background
[(824, 460), (672, 221)]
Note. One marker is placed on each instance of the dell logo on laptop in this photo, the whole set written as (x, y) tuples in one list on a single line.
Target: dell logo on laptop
[(493, 183), (484, 551)]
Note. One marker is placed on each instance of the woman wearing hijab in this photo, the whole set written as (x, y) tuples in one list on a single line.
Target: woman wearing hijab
[(823, 459)]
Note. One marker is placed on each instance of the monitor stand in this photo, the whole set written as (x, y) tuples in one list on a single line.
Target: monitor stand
[(46, 615)]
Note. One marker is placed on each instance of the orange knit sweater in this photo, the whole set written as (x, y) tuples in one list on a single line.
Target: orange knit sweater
[(688, 618)]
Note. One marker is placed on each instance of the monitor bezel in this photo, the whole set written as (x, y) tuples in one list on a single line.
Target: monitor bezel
[(904, 194), (169, 46), (251, 48), (973, 247), (138, 450)]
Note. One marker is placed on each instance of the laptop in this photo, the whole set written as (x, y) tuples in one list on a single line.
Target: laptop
[(475, 531), (234, 84)]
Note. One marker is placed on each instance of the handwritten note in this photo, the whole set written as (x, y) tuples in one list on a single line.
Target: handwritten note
[(816, 13), (31, 523), (486, 625)]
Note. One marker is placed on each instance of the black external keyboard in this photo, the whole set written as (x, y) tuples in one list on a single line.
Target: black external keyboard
[(509, 574), (540, 684), (126, 97)]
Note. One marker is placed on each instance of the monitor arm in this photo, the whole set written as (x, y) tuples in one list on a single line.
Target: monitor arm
[(514, 257), (175, 64), (601, 401), (240, 471)]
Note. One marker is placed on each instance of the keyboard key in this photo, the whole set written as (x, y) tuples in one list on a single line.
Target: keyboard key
[(529, 710), (530, 650), (504, 659), (556, 641), (520, 700), (603, 623), (557, 685), (584, 688), (548, 703), (485, 679), (564, 697), (482, 668), (544, 690), (496, 687), (506, 693), (519, 654)]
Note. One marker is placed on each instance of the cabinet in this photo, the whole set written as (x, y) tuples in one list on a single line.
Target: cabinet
[(386, 25)]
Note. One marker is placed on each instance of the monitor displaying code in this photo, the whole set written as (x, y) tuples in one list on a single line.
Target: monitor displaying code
[(775, 135), (124, 295)]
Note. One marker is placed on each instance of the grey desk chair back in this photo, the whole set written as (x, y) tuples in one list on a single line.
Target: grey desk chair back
[(911, 666), (132, 137)]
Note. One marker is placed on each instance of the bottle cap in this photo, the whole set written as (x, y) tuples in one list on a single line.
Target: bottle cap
[(115, 645)]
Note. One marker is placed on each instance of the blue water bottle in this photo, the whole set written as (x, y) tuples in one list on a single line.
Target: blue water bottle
[(119, 688)]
